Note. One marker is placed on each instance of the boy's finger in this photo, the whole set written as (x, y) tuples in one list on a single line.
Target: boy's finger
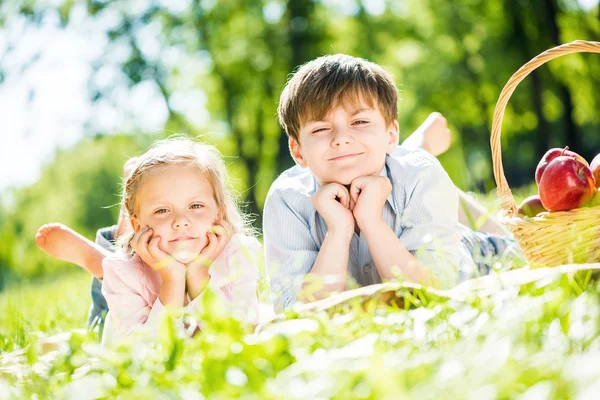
[(337, 191), (355, 190), (344, 198)]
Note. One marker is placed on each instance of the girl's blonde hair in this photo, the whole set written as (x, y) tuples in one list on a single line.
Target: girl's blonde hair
[(183, 151)]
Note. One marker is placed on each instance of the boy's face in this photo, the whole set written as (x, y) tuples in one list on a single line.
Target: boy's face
[(351, 141)]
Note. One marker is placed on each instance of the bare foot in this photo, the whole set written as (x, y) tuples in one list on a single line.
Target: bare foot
[(64, 243), (432, 135)]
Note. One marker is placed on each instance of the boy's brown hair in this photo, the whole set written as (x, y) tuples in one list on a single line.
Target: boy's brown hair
[(329, 81)]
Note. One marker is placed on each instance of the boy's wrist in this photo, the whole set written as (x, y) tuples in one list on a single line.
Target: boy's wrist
[(340, 234), (371, 226)]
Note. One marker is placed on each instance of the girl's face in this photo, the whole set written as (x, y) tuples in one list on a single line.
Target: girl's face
[(177, 203)]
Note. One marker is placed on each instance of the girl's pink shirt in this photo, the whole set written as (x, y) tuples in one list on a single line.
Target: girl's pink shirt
[(131, 288)]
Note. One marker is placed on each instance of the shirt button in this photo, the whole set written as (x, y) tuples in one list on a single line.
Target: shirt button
[(367, 268)]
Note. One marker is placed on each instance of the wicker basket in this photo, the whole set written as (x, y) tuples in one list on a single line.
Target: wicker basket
[(555, 238)]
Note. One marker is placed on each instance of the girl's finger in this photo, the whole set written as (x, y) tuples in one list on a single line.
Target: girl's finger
[(223, 228), (142, 236), (213, 240), (206, 254), (139, 242), (153, 249), (228, 228)]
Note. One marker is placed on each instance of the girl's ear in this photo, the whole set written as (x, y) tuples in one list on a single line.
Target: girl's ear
[(297, 153), (393, 136), (220, 213), (135, 224)]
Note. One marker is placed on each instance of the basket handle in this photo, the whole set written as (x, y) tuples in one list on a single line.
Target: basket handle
[(578, 46)]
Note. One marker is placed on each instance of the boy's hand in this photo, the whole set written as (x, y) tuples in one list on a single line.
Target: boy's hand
[(332, 202), (368, 195), (146, 246)]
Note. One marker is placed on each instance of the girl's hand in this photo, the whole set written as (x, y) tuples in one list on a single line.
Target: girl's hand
[(146, 246), (218, 237), (197, 276)]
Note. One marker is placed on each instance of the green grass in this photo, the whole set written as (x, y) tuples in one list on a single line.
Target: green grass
[(46, 307), (537, 340)]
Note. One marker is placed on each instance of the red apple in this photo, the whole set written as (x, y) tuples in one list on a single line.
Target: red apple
[(531, 206), (551, 155), (595, 167), (566, 184)]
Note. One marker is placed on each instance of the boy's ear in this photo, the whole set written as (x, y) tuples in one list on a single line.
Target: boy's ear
[(135, 224), (394, 135), (297, 152)]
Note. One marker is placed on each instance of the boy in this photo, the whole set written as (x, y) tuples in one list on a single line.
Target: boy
[(356, 203)]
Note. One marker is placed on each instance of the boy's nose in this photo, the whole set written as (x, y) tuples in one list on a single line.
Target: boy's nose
[(341, 137)]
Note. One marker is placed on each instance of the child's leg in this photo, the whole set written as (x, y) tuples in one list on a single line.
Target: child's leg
[(433, 135), (488, 249), (105, 237), (475, 216), (64, 243)]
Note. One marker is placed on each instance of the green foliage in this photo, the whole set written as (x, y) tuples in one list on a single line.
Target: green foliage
[(43, 307), (80, 188), (539, 339), (452, 57)]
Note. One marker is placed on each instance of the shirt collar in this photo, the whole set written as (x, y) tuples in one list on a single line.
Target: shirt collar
[(390, 198)]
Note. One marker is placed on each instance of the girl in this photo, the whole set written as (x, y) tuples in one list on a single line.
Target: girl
[(186, 234)]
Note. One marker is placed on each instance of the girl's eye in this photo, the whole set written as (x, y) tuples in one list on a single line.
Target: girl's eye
[(161, 211), (197, 206)]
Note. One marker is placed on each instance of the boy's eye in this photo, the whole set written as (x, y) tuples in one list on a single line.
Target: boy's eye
[(319, 130), (361, 122)]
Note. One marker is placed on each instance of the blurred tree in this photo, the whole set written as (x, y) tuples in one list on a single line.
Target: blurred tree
[(80, 187), (219, 67)]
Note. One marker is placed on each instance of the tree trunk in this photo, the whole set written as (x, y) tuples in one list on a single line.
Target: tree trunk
[(543, 137), (572, 136), (301, 36)]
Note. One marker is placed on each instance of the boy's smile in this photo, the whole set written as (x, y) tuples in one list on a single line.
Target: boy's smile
[(351, 141), (346, 156)]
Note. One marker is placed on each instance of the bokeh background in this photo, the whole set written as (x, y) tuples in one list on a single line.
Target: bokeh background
[(86, 84)]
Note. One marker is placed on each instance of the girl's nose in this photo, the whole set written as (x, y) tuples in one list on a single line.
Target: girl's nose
[(181, 222)]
